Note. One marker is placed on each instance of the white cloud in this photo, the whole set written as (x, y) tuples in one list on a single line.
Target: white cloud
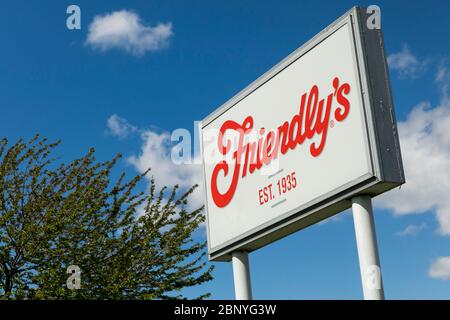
[(412, 230), (440, 268), (124, 30), (119, 127), (425, 145), (405, 63), (156, 154)]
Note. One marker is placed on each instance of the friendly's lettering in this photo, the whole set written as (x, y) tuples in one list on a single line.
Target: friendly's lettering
[(312, 120)]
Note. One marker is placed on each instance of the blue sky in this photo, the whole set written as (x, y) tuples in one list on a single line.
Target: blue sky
[(62, 84)]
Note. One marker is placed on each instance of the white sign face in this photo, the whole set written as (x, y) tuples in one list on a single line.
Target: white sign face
[(294, 140)]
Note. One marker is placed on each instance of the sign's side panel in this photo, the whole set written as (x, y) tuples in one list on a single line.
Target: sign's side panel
[(381, 102)]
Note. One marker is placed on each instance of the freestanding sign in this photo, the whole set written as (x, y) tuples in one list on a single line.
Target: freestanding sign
[(299, 143)]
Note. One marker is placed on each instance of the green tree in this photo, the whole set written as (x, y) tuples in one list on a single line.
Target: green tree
[(128, 244)]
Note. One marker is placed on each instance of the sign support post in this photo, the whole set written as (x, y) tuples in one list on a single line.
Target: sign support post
[(241, 274), (369, 261)]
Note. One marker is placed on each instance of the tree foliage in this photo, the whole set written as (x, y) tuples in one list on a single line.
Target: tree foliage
[(128, 244)]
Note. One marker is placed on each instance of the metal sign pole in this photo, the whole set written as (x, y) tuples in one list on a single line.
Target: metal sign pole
[(241, 274), (366, 241)]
